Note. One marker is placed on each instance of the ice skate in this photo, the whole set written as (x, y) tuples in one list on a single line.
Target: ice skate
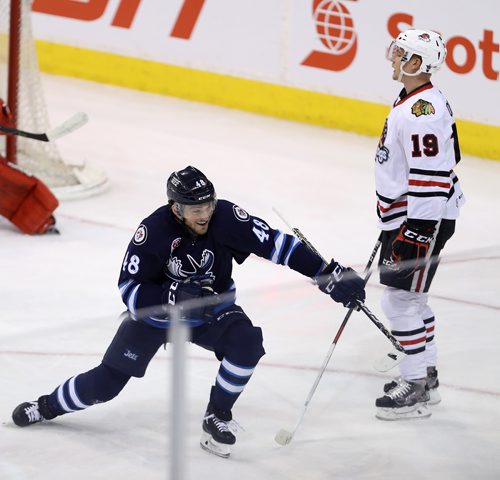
[(408, 399), (432, 385), (217, 436), (29, 413), (392, 384)]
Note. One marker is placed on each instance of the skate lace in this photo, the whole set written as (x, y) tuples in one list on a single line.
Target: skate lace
[(402, 388), (221, 425), (33, 413), (232, 426)]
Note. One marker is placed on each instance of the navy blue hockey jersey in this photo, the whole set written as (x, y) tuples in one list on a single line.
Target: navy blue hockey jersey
[(163, 251)]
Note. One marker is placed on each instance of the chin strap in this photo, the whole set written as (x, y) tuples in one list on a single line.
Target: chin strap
[(401, 72)]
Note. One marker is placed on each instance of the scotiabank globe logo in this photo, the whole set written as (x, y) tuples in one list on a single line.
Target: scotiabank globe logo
[(335, 30)]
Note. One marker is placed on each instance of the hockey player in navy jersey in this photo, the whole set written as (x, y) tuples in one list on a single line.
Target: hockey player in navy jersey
[(419, 197), (185, 251)]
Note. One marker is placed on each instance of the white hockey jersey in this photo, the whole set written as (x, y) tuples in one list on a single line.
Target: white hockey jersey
[(415, 157)]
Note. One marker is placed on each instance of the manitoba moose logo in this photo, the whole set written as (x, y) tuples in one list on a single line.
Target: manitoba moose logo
[(178, 271)]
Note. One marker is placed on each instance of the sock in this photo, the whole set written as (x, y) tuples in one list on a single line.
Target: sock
[(230, 382), (98, 385)]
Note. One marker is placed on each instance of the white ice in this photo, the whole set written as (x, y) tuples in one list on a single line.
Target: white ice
[(60, 303)]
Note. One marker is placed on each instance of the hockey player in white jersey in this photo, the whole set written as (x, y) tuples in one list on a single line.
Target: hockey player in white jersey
[(418, 201)]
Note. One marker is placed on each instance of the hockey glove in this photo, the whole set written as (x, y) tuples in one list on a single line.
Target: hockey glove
[(195, 297), (411, 246), (343, 284)]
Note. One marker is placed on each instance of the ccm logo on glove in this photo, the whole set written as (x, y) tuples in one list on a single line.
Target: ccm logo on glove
[(334, 278)]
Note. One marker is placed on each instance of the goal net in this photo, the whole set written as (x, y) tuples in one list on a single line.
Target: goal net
[(21, 88)]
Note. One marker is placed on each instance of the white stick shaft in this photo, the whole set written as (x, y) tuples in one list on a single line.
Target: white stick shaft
[(287, 436), (314, 387)]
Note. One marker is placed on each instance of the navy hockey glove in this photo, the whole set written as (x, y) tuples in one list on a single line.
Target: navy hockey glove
[(195, 297), (343, 284), (411, 246)]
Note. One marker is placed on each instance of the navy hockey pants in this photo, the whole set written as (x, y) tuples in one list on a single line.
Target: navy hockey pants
[(231, 336)]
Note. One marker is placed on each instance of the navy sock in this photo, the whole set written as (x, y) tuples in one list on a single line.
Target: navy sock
[(98, 385), (230, 382)]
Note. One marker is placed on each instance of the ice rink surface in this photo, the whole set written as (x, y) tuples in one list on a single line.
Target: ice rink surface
[(60, 305)]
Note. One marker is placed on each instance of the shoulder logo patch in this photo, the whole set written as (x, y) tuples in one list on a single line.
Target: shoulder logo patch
[(240, 214), (382, 154), (141, 235), (422, 107), (175, 244)]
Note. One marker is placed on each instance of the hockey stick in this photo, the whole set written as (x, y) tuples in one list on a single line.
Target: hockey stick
[(391, 359), (388, 361), (70, 125), (284, 437), (361, 305)]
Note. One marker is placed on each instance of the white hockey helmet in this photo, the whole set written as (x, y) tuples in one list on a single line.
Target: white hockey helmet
[(425, 43)]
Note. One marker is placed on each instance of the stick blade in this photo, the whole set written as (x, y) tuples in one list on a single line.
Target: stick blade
[(389, 361), (73, 123), (283, 437)]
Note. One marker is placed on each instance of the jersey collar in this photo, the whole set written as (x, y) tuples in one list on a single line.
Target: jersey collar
[(403, 96)]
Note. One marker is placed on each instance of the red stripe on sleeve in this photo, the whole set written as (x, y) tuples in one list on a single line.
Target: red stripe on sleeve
[(428, 183), (394, 205)]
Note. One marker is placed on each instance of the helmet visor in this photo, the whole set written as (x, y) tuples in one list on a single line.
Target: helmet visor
[(394, 51)]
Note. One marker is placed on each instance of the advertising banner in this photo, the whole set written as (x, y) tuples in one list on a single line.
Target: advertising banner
[(332, 47)]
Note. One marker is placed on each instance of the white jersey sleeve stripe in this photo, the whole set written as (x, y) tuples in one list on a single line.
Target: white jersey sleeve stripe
[(295, 244), (132, 299), (278, 245)]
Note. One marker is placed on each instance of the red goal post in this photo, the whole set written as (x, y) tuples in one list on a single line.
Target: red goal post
[(21, 87)]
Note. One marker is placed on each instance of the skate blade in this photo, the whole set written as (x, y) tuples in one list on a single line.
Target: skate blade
[(404, 413), (210, 445)]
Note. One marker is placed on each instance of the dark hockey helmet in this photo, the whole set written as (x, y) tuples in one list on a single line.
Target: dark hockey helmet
[(190, 187)]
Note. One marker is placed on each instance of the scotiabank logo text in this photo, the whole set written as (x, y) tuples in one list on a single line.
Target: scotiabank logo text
[(334, 24), (462, 52)]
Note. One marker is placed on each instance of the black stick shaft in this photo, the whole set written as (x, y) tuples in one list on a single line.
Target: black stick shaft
[(21, 133), (361, 305)]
